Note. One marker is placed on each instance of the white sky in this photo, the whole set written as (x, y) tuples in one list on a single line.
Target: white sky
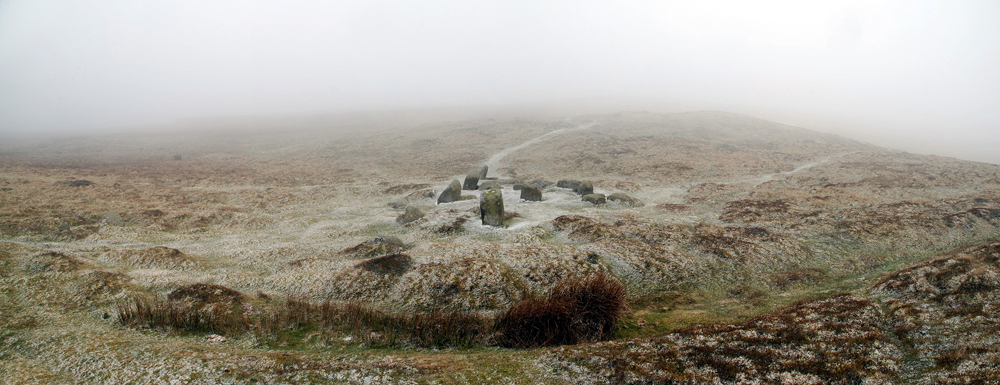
[(923, 76)]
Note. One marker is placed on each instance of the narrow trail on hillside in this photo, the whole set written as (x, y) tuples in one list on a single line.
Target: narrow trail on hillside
[(494, 161)]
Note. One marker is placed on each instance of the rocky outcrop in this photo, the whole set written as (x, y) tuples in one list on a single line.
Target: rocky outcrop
[(452, 193)]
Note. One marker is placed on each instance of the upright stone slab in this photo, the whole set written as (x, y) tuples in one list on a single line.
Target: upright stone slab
[(585, 188), (491, 207), (452, 193), (530, 192), (471, 181), (483, 171)]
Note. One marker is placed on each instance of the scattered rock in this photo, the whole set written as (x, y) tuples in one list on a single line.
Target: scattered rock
[(491, 184), (393, 264), (624, 199), (452, 193), (471, 181), (530, 192), (597, 199), (571, 184), (584, 188), (411, 214), (491, 207), (112, 217)]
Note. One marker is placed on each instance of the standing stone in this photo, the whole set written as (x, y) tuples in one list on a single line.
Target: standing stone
[(490, 184), (452, 193), (568, 183), (411, 214), (471, 181), (597, 199), (530, 192), (483, 171), (585, 188), (491, 207)]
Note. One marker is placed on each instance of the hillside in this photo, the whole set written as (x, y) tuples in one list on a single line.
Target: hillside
[(741, 242)]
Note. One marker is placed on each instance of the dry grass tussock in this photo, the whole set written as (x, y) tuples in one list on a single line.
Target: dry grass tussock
[(577, 310)]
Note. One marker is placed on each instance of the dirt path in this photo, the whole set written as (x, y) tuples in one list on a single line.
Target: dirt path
[(494, 161)]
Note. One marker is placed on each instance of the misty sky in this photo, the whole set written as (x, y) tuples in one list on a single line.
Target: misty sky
[(923, 76)]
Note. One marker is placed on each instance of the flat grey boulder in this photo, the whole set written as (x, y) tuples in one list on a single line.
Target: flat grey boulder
[(452, 193), (571, 184), (624, 199), (490, 184), (584, 188), (597, 199), (530, 192), (491, 207)]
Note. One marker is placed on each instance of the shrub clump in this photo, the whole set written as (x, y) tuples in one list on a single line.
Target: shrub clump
[(577, 310)]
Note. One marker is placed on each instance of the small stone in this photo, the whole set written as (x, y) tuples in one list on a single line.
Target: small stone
[(452, 193), (624, 199), (530, 192), (490, 184), (541, 183), (411, 214), (112, 217), (491, 208), (597, 199), (571, 184), (471, 181), (584, 188)]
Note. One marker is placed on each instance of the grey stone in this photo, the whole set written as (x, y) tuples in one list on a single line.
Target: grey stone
[(624, 199), (471, 181), (178, 157), (411, 214), (112, 217), (597, 199), (385, 240), (452, 193), (491, 207), (568, 183), (585, 188), (483, 171), (490, 184), (530, 192)]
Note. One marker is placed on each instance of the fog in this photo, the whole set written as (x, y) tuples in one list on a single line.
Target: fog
[(917, 76)]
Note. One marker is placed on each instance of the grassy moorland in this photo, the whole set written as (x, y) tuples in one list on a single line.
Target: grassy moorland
[(748, 251)]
